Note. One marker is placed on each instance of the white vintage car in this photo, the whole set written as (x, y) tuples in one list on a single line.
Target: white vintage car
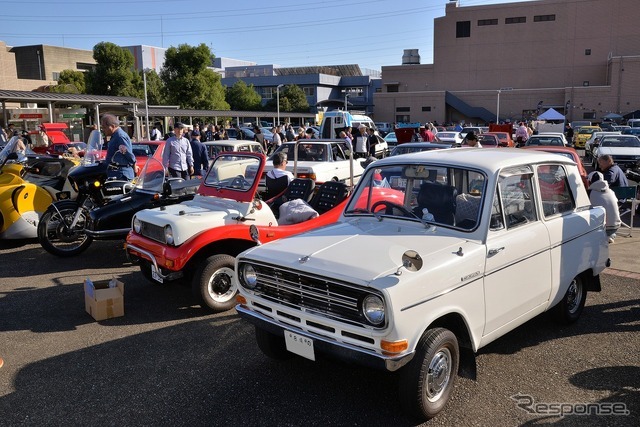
[(470, 244), (319, 159)]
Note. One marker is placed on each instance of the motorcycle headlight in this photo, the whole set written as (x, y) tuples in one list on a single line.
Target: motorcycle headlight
[(137, 224), (248, 276), (373, 309), (168, 234)]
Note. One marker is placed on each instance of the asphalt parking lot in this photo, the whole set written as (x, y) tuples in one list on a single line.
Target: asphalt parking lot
[(167, 362)]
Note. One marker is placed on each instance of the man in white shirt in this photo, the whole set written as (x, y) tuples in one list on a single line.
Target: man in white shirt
[(177, 156)]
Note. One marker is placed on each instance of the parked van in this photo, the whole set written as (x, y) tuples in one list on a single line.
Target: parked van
[(383, 127), (334, 122), (634, 123)]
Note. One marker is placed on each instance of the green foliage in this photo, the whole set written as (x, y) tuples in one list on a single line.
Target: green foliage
[(243, 98), (154, 87), (114, 73), (292, 99), (187, 80), (70, 81)]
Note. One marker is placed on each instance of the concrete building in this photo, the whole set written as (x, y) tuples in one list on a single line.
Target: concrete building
[(581, 57)]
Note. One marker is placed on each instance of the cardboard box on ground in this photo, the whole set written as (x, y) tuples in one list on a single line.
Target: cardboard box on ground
[(104, 299)]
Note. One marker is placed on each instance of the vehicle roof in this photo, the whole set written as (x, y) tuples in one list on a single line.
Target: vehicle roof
[(488, 159), (422, 144), (231, 142)]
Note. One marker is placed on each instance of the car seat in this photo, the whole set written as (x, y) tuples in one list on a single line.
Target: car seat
[(440, 200), (329, 195), (299, 188), (275, 186)]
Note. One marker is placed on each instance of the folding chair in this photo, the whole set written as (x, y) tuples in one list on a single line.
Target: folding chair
[(624, 195)]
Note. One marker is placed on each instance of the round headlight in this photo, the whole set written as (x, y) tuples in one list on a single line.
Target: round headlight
[(373, 309), (248, 276), (168, 234), (137, 225)]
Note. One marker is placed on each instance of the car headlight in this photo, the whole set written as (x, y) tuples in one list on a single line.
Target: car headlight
[(168, 234), (248, 276), (373, 309), (137, 224)]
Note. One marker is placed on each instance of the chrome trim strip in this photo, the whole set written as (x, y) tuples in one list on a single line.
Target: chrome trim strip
[(446, 291), (154, 263)]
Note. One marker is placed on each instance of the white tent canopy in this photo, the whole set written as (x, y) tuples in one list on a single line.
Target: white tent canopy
[(551, 114)]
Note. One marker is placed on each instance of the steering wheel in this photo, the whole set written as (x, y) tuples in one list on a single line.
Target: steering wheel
[(390, 206), (239, 182)]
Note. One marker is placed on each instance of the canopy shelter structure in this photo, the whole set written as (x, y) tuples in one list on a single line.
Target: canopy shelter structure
[(551, 115), (613, 117)]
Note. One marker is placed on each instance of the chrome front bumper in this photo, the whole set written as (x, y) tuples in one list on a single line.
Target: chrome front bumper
[(154, 264), (327, 346)]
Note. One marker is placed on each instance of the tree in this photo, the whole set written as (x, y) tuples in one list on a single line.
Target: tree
[(292, 99), (70, 81), (113, 74), (243, 98), (187, 80), (154, 87)]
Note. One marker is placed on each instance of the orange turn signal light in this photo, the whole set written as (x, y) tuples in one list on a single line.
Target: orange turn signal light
[(241, 300), (168, 263), (394, 346)]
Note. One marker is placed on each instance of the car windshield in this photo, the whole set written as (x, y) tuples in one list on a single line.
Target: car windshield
[(587, 131), (544, 141), (630, 141), (488, 140), (143, 150), (152, 176), (307, 152), (233, 171), (432, 194)]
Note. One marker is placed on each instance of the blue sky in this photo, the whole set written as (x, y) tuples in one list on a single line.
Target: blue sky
[(370, 33)]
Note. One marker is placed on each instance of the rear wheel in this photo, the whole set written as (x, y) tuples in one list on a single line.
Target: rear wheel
[(213, 283), (427, 381), (55, 235), (570, 307)]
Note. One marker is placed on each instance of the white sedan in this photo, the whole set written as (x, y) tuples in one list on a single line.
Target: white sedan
[(319, 159)]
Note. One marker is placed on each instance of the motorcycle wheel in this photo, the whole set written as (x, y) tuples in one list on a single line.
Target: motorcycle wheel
[(54, 235)]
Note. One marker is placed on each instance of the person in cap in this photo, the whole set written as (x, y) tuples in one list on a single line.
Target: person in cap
[(119, 142), (601, 195), (177, 156), (309, 133), (471, 140), (200, 155)]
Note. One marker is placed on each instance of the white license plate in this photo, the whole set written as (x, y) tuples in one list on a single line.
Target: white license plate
[(155, 275), (302, 346)]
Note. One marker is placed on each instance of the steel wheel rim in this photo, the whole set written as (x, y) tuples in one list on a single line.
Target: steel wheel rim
[(439, 374), (220, 285), (574, 296), (59, 234)]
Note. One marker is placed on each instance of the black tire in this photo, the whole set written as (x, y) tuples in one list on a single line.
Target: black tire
[(569, 309), (271, 345), (145, 269), (54, 235), (213, 283), (427, 381)]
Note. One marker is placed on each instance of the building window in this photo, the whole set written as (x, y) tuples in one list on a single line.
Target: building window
[(403, 118), (516, 20), (587, 52), (463, 29), (403, 109), (544, 18), (426, 108), (55, 76), (267, 92), (309, 91), (589, 115), (393, 88), (585, 83), (483, 22), (354, 91)]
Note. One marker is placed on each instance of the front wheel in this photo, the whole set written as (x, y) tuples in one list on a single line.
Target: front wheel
[(570, 307), (427, 381), (55, 235), (213, 283)]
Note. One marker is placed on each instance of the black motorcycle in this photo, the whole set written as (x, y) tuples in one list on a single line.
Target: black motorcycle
[(112, 220), (61, 227)]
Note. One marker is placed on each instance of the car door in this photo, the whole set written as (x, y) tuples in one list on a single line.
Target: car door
[(518, 263)]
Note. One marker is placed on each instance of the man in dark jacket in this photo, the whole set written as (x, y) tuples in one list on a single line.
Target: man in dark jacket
[(200, 155), (612, 172)]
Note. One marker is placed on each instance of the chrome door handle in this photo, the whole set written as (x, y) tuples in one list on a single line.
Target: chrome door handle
[(493, 252)]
